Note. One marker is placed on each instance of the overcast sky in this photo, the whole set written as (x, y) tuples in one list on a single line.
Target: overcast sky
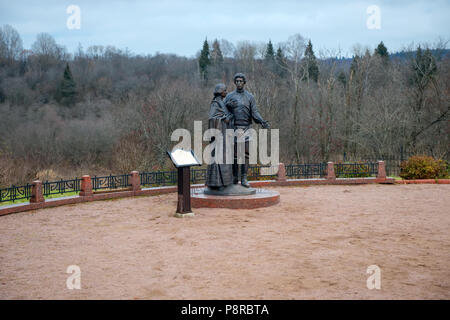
[(173, 26)]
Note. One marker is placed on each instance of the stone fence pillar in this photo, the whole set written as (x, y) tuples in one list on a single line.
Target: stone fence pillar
[(381, 170), (86, 187), (135, 181), (37, 195), (330, 171), (281, 174)]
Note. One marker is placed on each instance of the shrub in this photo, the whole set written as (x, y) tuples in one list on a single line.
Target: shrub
[(423, 167)]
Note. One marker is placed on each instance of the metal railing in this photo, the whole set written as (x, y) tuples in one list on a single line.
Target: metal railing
[(392, 163), (355, 170), (306, 171), (164, 178), (158, 178), (198, 175), (61, 186), (14, 193), (111, 182)]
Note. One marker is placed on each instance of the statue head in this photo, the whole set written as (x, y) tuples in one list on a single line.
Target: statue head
[(239, 80), (220, 90)]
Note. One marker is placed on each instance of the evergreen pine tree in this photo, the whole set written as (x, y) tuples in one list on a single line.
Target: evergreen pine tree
[(216, 61), (313, 69), (216, 54), (382, 51), (67, 89), (204, 60), (280, 63), (270, 53), (342, 78)]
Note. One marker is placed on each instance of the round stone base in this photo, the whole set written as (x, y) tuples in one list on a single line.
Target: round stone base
[(262, 198), (231, 190)]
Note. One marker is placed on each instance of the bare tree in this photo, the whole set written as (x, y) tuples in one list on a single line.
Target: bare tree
[(10, 44), (48, 52), (227, 48), (245, 55), (294, 49)]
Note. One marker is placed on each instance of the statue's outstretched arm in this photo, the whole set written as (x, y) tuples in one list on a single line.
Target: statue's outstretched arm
[(257, 116)]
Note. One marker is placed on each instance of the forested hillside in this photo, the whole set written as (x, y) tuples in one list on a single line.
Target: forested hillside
[(105, 110)]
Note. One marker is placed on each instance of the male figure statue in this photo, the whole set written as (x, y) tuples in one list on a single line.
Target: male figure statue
[(242, 105)]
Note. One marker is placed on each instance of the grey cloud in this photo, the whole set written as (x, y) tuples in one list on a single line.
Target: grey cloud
[(181, 26)]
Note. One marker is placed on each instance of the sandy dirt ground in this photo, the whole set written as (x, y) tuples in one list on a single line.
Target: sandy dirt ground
[(316, 244)]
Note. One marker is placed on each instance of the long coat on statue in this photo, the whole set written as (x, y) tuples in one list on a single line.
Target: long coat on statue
[(219, 175)]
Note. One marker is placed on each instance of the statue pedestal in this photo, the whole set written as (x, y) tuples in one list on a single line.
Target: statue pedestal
[(231, 190), (259, 199)]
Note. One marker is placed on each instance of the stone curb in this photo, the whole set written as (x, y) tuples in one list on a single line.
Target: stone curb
[(424, 181), (15, 208)]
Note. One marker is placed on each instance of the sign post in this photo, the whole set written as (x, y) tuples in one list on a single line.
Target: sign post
[(183, 160)]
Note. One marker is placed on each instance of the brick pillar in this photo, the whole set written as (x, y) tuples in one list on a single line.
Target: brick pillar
[(37, 195), (330, 171), (381, 170), (135, 181), (281, 174), (86, 187)]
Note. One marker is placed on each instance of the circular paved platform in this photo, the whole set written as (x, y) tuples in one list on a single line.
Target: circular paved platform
[(262, 198)]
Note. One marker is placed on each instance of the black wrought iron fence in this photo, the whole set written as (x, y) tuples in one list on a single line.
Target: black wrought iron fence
[(306, 171), (198, 176), (61, 186), (262, 172), (392, 161), (14, 193), (355, 170), (392, 165), (111, 182), (158, 178), (164, 178)]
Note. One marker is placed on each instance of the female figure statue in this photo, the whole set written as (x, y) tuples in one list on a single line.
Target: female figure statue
[(219, 175)]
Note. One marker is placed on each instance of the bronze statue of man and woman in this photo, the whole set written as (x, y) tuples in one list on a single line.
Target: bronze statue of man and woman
[(235, 110)]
